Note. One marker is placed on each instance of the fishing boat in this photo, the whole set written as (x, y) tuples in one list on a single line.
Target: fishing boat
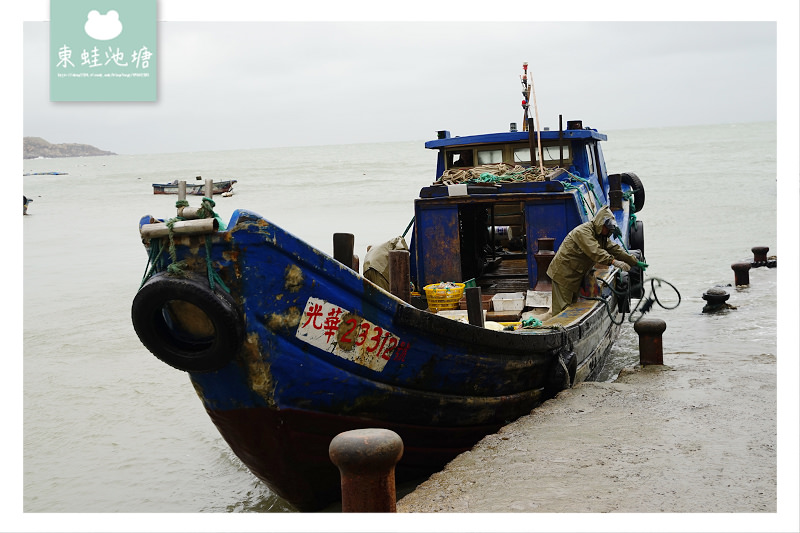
[(196, 189), (287, 346)]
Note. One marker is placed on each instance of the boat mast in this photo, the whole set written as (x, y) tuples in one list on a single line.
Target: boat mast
[(527, 120), (526, 96)]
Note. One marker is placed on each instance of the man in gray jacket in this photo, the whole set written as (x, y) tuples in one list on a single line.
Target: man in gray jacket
[(586, 245)]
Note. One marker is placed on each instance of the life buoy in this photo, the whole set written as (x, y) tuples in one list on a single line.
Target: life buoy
[(186, 324), (635, 184)]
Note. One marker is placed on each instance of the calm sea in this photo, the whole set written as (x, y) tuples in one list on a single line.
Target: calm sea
[(109, 428)]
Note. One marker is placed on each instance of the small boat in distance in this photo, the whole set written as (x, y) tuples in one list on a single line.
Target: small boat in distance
[(45, 174), (194, 189), (287, 346)]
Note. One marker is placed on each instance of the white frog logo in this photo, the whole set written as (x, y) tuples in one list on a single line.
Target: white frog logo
[(103, 27)]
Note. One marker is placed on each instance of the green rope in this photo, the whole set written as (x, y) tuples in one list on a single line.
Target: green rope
[(531, 322), (409, 226), (589, 184), (632, 209), (153, 261), (177, 268), (584, 204), (213, 276), (207, 211)]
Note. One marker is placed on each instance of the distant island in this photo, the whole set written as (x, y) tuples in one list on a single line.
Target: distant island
[(33, 147)]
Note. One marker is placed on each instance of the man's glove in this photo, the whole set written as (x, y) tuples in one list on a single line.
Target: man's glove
[(621, 265), (641, 265)]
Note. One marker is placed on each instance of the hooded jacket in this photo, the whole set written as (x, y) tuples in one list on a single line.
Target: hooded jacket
[(584, 247)]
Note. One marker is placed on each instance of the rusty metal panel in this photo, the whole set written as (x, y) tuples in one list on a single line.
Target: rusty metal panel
[(438, 244)]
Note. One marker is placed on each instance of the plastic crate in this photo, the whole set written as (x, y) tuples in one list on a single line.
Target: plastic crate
[(443, 296)]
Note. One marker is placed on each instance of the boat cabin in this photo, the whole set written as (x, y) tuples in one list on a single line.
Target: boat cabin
[(498, 230)]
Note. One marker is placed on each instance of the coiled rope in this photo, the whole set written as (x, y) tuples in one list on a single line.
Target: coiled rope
[(494, 173)]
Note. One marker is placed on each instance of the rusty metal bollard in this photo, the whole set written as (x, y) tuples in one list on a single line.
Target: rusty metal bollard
[(741, 272), (716, 299), (651, 351), (366, 459), (760, 254)]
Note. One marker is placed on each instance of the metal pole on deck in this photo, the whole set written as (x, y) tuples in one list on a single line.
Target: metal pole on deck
[(343, 248), (560, 142), (474, 306), (400, 274)]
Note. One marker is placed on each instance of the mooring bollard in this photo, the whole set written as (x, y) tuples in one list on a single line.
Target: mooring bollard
[(651, 351), (759, 255), (716, 299), (366, 459), (741, 272)]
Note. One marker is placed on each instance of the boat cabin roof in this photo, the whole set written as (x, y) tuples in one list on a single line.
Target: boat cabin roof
[(444, 139)]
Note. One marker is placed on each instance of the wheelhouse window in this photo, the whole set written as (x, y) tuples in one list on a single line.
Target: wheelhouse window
[(511, 153), (551, 154), (488, 157), (459, 159), (522, 155)]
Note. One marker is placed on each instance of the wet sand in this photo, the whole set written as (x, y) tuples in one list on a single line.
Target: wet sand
[(697, 435)]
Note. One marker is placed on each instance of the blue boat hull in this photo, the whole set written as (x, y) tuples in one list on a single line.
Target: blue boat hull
[(324, 351)]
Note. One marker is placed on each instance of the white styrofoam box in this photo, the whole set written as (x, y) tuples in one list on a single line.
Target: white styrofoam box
[(508, 301), (539, 299), (457, 314)]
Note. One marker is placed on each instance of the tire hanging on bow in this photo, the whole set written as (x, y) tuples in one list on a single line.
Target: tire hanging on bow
[(186, 324)]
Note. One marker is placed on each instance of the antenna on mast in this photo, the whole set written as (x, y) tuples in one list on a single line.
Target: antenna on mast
[(526, 96)]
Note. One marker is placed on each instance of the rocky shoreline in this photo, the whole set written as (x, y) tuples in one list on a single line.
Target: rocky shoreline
[(33, 147)]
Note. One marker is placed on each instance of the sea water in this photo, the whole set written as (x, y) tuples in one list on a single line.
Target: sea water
[(109, 428)]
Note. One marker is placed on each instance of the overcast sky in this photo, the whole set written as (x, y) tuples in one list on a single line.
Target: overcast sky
[(232, 85)]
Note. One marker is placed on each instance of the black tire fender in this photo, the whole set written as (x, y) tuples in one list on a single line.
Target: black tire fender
[(186, 324), (635, 184), (636, 236), (636, 276)]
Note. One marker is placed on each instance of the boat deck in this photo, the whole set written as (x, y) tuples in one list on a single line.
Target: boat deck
[(511, 275)]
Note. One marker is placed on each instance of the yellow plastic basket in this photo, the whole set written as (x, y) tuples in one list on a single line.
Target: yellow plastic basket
[(443, 298)]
